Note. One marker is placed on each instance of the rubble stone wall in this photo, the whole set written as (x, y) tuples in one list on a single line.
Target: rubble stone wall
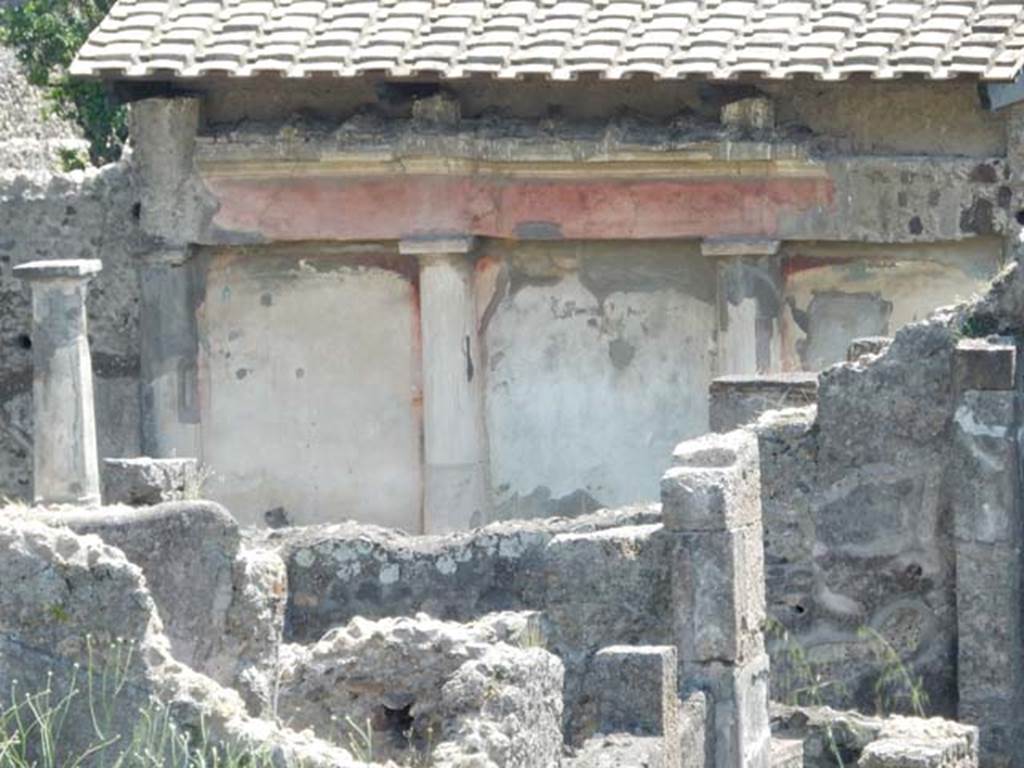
[(600, 580), (857, 534), (31, 137), (893, 526)]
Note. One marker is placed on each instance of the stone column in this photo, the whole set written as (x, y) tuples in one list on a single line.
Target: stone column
[(174, 210), (65, 465), (169, 354), (455, 468), (711, 507), (984, 481)]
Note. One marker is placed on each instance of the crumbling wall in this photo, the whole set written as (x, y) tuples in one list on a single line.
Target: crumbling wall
[(80, 215), (892, 525), (221, 603), (857, 533), (833, 738), (831, 294), (600, 580), (74, 603), (47, 214), (924, 117), (442, 690), (31, 136)]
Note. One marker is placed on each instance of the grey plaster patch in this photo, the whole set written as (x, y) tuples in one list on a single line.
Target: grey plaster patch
[(621, 352)]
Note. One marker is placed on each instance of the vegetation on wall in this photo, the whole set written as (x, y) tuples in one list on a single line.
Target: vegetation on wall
[(45, 35)]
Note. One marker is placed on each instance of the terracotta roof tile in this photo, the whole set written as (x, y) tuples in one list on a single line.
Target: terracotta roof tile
[(773, 39)]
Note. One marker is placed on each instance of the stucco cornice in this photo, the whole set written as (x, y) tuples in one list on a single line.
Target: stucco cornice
[(369, 145), (665, 166)]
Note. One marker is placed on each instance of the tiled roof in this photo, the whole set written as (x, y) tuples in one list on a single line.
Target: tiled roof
[(774, 39)]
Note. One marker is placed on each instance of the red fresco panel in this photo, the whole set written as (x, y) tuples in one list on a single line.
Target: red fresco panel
[(360, 208)]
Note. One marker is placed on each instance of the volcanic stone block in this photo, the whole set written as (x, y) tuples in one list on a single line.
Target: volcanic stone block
[(714, 485), (696, 749), (144, 481), (737, 400), (718, 590), (866, 345), (787, 753), (187, 551), (906, 753), (988, 657), (985, 364), (717, 450), (983, 468), (635, 687)]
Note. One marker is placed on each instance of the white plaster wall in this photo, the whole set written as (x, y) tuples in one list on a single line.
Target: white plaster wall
[(586, 395), (914, 280), (310, 389)]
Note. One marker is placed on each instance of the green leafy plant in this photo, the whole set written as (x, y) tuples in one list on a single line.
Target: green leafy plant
[(45, 36), (72, 159)]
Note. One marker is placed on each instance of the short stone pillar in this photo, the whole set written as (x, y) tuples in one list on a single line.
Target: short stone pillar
[(711, 506), (455, 476), (985, 491), (65, 467)]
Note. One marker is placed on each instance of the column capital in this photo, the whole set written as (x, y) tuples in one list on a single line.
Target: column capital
[(439, 245), (739, 246), (58, 269)]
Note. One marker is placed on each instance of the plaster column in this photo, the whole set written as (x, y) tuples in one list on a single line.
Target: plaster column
[(455, 470), (65, 466)]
